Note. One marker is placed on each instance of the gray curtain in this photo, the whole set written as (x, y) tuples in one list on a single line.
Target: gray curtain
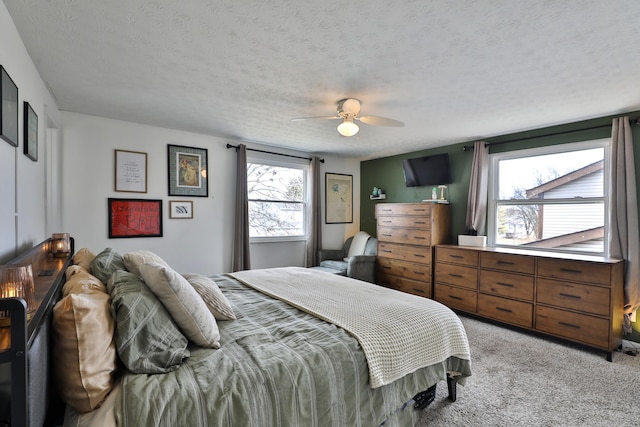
[(477, 200), (624, 240), (241, 259), (314, 220)]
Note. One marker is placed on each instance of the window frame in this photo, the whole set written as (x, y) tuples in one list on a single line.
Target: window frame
[(290, 164), (494, 203)]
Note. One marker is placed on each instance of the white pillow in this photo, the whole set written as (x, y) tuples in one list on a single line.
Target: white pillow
[(212, 296), (358, 244), (183, 303), (133, 260)]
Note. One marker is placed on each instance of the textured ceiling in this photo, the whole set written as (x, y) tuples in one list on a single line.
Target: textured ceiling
[(452, 71)]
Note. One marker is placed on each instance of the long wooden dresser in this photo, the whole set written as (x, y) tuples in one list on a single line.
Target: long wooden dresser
[(406, 235), (574, 297)]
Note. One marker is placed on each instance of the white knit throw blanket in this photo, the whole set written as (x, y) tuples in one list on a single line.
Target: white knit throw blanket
[(398, 332)]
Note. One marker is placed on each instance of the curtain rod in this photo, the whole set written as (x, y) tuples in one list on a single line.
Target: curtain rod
[(271, 152), (488, 144)]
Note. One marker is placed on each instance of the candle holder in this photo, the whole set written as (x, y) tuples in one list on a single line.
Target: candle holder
[(16, 281), (60, 245)]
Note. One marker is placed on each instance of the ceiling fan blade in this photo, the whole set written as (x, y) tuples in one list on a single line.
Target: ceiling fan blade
[(299, 119), (380, 121)]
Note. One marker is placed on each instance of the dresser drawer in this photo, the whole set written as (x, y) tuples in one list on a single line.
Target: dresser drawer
[(459, 298), (412, 236), (423, 223), (406, 269), (507, 310), (507, 284), (419, 254), (457, 256), (580, 271), (591, 299), (508, 262), (579, 327), (403, 284), (410, 209), (457, 275)]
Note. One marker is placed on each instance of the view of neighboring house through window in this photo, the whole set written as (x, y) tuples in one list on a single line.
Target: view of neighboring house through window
[(551, 198), (276, 194)]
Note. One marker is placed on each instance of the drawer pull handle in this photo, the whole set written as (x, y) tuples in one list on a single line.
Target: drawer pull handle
[(505, 262), (455, 297), (421, 291), (459, 276), (506, 310), (420, 222), (387, 235), (419, 210), (386, 250), (509, 285), (418, 255), (388, 221), (419, 238), (571, 296), (386, 267), (569, 325), (419, 273), (455, 256), (570, 270)]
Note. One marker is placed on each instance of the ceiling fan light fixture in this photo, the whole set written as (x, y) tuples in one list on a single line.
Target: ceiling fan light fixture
[(348, 128)]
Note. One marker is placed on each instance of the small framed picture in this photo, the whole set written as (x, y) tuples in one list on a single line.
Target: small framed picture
[(180, 209), (8, 108), (338, 198), (131, 171), (187, 171), (135, 218), (30, 132)]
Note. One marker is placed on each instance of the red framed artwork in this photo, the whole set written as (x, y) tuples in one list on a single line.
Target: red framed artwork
[(135, 218)]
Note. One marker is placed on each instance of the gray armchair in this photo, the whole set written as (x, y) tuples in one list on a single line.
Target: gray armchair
[(358, 266)]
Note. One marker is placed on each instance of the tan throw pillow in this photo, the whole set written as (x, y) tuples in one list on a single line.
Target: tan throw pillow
[(133, 260), (212, 296), (81, 282), (74, 269), (83, 258), (184, 304), (84, 353)]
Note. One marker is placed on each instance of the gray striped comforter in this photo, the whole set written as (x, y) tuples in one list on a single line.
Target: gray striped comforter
[(278, 366)]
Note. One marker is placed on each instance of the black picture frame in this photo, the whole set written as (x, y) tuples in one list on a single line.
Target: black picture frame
[(135, 218), (30, 129), (187, 171), (8, 108)]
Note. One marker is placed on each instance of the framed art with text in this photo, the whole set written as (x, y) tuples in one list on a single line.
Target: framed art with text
[(135, 218), (8, 108), (338, 198), (187, 171), (30, 132), (131, 171)]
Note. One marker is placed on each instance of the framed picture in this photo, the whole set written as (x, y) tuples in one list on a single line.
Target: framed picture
[(180, 209), (188, 171), (131, 171), (135, 218), (30, 132), (8, 108), (338, 198)]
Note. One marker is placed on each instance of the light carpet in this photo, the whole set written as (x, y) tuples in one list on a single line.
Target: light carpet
[(520, 379)]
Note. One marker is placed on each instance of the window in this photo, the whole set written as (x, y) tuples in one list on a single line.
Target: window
[(277, 195), (550, 198)]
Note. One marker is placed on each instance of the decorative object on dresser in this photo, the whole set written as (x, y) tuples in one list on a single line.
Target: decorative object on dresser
[(406, 234), (573, 297)]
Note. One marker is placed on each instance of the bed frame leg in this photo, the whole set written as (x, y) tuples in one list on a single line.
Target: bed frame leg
[(452, 387)]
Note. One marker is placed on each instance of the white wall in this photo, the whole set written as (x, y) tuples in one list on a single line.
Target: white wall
[(22, 188), (202, 244)]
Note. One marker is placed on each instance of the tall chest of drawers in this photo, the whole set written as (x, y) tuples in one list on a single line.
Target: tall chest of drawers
[(578, 298), (406, 235)]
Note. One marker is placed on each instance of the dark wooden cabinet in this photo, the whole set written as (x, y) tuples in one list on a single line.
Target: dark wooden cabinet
[(578, 298)]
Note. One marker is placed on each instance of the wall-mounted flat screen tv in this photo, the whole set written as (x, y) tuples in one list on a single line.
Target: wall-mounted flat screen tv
[(428, 170)]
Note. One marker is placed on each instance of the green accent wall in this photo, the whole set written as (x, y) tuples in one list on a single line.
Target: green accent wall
[(386, 172)]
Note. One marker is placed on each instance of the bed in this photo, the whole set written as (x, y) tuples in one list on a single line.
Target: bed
[(273, 355)]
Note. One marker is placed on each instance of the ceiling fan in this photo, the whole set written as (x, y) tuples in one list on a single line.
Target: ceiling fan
[(348, 110)]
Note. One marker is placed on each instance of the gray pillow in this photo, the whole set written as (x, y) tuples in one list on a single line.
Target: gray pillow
[(105, 263), (147, 339)]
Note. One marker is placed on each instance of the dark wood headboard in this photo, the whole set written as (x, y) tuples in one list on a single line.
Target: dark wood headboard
[(25, 344)]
